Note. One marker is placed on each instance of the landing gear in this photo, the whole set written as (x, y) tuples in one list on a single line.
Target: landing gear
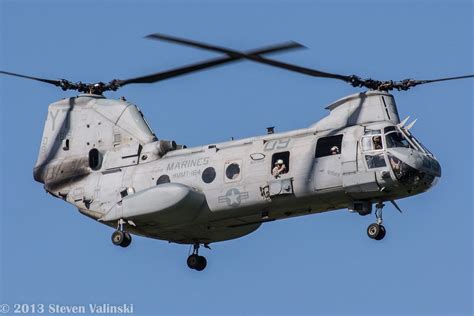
[(120, 237), (195, 261), (377, 230)]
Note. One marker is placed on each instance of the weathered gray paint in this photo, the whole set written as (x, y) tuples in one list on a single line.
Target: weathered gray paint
[(189, 210)]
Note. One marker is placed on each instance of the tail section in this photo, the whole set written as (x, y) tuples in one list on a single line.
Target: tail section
[(79, 131)]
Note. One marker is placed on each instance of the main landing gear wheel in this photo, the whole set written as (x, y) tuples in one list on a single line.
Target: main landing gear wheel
[(376, 230), (195, 261), (121, 238)]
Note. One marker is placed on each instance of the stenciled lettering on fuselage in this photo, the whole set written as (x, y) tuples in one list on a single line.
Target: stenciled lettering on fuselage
[(185, 164), (276, 144), (182, 167)]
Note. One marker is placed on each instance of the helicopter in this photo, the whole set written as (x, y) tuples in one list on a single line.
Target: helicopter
[(101, 156)]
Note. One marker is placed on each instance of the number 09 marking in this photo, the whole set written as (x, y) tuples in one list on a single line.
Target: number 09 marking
[(276, 144)]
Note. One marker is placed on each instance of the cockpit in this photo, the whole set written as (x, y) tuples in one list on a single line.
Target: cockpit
[(395, 147)]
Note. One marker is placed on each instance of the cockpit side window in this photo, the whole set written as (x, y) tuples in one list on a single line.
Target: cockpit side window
[(371, 143), (372, 146), (396, 139)]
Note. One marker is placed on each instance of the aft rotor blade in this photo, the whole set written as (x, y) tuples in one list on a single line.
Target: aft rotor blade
[(206, 64), (254, 57), (53, 82), (62, 83), (418, 82)]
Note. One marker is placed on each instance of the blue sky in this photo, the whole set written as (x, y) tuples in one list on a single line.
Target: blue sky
[(313, 265)]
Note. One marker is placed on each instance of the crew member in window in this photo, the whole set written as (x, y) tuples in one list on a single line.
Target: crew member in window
[(377, 142), (334, 150), (279, 168), (396, 165)]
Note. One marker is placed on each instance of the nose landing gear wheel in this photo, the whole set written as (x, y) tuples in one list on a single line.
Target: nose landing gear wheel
[(376, 231)]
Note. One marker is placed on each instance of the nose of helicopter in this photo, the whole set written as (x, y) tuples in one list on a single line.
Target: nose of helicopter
[(430, 170), (424, 163), (415, 169)]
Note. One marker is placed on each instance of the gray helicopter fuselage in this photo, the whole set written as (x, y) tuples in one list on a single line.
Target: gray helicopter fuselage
[(100, 155)]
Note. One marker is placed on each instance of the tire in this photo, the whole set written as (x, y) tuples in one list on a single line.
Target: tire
[(202, 263), (382, 233), (118, 238), (193, 261), (127, 240), (373, 230)]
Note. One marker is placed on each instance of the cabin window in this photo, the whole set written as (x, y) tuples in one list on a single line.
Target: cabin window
[(328, 146), (163, 179), (280, 164), (208, 175), (94, 159), (233, 170)]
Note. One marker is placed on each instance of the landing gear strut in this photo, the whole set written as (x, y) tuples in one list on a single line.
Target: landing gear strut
[(195, 261), (377, 230), (120, 237)]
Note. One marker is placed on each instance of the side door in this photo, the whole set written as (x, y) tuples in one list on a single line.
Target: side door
[(279, 172), (327, 164)]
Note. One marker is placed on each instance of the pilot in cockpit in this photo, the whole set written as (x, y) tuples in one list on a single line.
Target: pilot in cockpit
[(377, 140)]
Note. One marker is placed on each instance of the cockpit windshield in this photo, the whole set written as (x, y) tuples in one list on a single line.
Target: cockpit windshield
[(395, 138), (417, 143)]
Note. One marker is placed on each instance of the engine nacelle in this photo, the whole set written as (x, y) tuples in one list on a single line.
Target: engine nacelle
[(165, 146), (166, 204)]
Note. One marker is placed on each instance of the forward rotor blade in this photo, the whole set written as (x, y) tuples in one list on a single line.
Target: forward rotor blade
[(255, 57), (354, 80), (206, 64), (53, 82), (410, 83)]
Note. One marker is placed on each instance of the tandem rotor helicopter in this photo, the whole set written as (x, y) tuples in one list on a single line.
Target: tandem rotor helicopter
[(101, 156)]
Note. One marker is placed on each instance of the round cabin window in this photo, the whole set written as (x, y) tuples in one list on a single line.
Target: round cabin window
[(232, 171), (208, 175), (163, 179)]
